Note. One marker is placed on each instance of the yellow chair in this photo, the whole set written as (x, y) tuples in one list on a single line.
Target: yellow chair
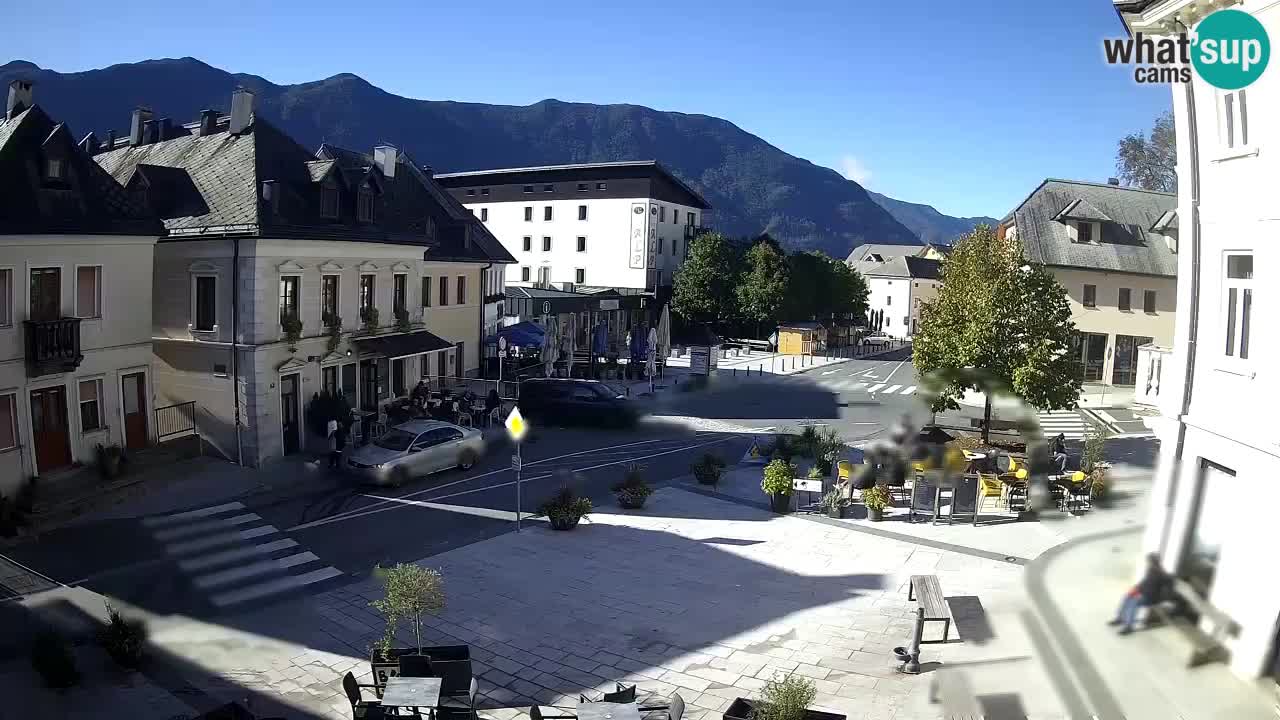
[(844, 470), (1021, 474), (989, 486)]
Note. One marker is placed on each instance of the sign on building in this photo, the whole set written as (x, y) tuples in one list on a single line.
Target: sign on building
[(639, 244)]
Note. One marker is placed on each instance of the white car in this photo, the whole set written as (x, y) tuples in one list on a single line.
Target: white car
[(876, 339), (415, 449)]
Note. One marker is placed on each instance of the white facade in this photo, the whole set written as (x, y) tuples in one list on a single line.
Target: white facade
[(899, 298), (1220, 454)]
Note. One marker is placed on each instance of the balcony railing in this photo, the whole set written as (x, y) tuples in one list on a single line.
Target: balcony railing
[(53, 346), (693, 231)]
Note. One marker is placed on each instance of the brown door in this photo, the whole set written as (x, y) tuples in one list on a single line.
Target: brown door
[(46, 293), (49, 428), (133, 394), (289, 412)]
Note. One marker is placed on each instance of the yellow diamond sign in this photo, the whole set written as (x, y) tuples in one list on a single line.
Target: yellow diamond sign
[(517, 426)]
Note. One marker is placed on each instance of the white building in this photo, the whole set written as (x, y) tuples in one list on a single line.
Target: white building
[(1220, 453), (897, 286), (620, 225)]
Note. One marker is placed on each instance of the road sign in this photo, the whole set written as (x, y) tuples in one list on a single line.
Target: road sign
[(515, 462), (502, 354), (516, 425), (546, 307), (502, 343), (804, 485)]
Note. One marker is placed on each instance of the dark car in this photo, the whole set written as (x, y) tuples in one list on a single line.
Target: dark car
[(564, 401)]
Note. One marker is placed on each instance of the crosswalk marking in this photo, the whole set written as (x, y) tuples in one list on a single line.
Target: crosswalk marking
[(910, 389), (279, 585), (224, 577), (213, 541), (875, 388), (162, 520), (892, 389), (858, 386), (201, 528), (1067, 422), (241, 553)]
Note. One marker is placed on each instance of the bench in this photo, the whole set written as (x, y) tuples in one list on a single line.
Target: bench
[(927, 592), (1205, 646)]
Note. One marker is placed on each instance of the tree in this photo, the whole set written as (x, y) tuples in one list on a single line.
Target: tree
[(763, 286), (704, 286), (1150, 162), (849, 291), (999, 323)]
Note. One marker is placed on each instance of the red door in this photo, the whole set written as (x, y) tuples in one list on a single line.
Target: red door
[(133, 388), (49, 428)]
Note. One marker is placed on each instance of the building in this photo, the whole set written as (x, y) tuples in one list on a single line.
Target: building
[(283, 273), (619, 225), (75, 300), (802, 338), (1219, 455), (897, 287), (1114, 249)]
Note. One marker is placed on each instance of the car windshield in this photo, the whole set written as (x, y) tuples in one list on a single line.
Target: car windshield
[(395, 440)]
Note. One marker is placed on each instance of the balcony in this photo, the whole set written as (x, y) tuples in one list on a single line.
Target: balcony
[(52, 346), (693, 231)]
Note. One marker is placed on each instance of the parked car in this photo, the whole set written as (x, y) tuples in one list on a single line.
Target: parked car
[(572, 401), (876, 339), (415, 449)]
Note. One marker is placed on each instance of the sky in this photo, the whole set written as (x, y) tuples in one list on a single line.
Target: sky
[(965, 106)]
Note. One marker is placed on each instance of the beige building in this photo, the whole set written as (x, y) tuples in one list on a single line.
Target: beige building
[(75, 302), (378, 269), (1114, 249)]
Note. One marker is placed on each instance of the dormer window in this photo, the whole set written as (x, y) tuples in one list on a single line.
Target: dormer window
[(1084, 232), (329, 200), (365, 207), (55, 169)]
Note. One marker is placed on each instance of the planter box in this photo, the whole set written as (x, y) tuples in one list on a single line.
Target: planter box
[(389, 666), (560, 523), (780, 503), (742, 707), (631, 503)]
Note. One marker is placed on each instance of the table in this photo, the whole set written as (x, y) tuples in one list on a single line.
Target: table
[(411, 692), (608, 711)]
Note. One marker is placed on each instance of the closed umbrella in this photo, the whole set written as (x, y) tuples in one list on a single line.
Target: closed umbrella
[(550, 345), (571, 343), (651, 353), (664, 333)]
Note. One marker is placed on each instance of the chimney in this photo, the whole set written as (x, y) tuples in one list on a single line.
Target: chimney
[(89, 144), (19, 98), (140, 116), (149, 128), (271, 195), (111, 139), (208, 122), (430, 171), (241, 111), (1113, 181), (384, 156)]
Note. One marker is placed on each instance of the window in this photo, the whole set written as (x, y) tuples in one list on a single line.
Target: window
[(528, 188), (328, 299), (329, 200), (661, 244), (524, 274), (693, 219), (399, 302), (1233, 119), (365, 206), (8, 422), (462, 289), (527, 243), (675, 216), (548, 188), (220, 370), (471, 191), (484, 214), (1124, 302), (601, 186), (675, 247), (1238, 303), (397, 377), (544, 275), (1148, 301), (206, 292), (444, 291), (329, 380), (91, 405), (1090, 296), (582, 212), (579, 275), (366, 292), (582, 244), (582, 187), (484, 191), (546, 243), (662, 213), (89, 291), (528, 213), (1084, 232), (289, 296), (6, 297), (888, 300), (426, 292), (546, 214)]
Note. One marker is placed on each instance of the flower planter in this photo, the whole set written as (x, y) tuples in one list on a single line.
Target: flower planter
[(630, 502), (708, 478), (386, 666), (780, 503), (836, 513), (560, 522), (875, 515), (742, 709)]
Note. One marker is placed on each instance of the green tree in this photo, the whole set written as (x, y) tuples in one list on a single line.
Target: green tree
[(999, 323), (763, 286), (849, 291), (1150, 162), (703, 290), (820, 287)]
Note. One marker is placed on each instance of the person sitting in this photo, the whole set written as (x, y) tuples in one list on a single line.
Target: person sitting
[(1149, 591), (1060, 453)]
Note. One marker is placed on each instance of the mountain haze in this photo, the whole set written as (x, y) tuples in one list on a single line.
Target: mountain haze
[(926, 222), (753, 186)]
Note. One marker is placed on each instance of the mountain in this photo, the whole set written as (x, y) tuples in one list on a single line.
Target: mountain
[(753, 186), (926, 222)]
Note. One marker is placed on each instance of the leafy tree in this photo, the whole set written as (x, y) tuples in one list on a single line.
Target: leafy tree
[(763, 286), (998, 323), (849, 291), (1150, 162), (703, 289), (820, 288)]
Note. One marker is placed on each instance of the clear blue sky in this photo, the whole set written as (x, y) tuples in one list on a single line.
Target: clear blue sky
[(962, 105)]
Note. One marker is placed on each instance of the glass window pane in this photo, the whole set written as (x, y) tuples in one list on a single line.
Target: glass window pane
[(88, 390), (130, 390), (6, 300), (8, 431), (1246, 307), (1231, 322), (1240, 267), (87, 292)]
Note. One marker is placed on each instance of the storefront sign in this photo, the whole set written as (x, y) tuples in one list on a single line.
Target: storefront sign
[(638, 239)]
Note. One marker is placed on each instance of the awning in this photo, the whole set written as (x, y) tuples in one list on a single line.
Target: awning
[(523, 334), (401, 345)]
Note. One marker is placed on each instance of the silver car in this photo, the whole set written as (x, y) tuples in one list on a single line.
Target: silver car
[(415, 449)]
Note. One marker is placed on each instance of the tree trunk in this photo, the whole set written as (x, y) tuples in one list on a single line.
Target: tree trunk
[(986, 422)]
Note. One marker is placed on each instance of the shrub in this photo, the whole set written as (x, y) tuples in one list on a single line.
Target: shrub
[(778, 476), (876, 497), (815, 472), (409, 592), (809, 443), (708, 469), (833, 498), (292, 326), (369, 318), (124, 640), (109, 458), (785, 699), (334, 323), (633, 490), (566, 505), (53, 661), (402, 320)]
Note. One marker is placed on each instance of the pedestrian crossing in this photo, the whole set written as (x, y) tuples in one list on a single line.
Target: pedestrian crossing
[(1068, 422), (868, 386), (232, 556)]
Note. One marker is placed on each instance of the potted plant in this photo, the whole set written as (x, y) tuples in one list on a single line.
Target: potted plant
[(708, 469), (124, 640), (876, 498), (409, 592), (402, 320), (787, 698), (369, 318), (565, 509), (834, 503), (334, 323), (292, 327), (633, 490), (777, 484), (109, 460)]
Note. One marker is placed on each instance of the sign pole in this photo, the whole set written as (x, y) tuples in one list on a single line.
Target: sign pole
[(516, 429), (519, 466)]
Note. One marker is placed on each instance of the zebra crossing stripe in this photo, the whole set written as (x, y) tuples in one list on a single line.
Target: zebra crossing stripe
[(273, 587), (893, 389), (910, 389), (205, 543), (162, 520), (224, 577), (227, 557), (875, 388), (201, 528)]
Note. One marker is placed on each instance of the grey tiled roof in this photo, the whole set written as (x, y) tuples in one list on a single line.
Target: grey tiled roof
[(861, 252), (905, 267), (1126, 245)]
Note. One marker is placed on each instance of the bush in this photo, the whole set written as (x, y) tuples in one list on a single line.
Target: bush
[(369, 318), (785, 699), (708, 469), (778, 476), (633, 490), (409, 592), (815, 472), (402, 320), (124, 640), (566, 505), (53, 661), (876, 497), (834, 498), (809, 443), (292, 327)]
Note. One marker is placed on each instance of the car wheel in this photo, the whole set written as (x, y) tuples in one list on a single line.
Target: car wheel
[(399, 477), (466, 461)]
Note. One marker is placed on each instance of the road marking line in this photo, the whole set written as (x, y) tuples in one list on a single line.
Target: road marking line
[(204, 543), (508, 515), (892, 389), (875, 388), (203, 527), (229, 556), (858, 386), (910, 389), (895, 370), (224, 577), (161, 520), (275, 586)]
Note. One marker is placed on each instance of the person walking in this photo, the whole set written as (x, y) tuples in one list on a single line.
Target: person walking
[(1149, 591), (337, 442)]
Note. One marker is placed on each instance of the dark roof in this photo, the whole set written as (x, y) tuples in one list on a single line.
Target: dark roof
[(906, 267), (1127, 243), (800, 326), (402, 344), (86, 200), (625, 168), (1081, 209), (869, 250)]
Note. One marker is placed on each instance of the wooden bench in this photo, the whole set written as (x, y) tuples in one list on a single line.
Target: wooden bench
[(1205, 646), (927, 592)]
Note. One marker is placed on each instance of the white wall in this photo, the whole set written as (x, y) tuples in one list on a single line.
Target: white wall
[(893, 296)]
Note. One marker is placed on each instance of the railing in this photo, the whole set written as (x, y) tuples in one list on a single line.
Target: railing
[(52, 346), (693, 231), (176, 420)]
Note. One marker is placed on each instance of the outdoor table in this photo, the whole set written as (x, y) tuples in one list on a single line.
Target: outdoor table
[(411, 692), (608, 711)]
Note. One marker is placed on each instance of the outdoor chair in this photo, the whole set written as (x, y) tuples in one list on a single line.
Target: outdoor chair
[(535, 713), (457, 687), (1080, 491), (361, 709), (623, 694), (989, 486), (416, 666), (676, 711), (450, 712)]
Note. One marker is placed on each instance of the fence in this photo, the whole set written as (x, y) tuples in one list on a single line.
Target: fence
[(175, 421)]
